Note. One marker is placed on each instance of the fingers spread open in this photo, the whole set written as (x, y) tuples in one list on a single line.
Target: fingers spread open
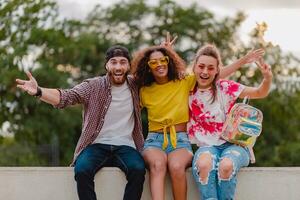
[(22, 87), (29, 75), (174, 39), (259, 51), (21, 82), (168, 37)]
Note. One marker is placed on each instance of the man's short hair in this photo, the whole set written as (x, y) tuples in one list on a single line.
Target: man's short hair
[(115, 51)]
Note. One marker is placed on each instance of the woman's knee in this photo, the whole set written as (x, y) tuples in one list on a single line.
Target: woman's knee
[(225, 168), (158, 166), (204, 162), (202, 167), (176, 168)]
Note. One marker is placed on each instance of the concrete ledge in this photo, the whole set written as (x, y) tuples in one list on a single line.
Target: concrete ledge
[(57, 183)]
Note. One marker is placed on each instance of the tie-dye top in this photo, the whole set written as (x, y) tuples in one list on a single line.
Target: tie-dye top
[(206, 118)]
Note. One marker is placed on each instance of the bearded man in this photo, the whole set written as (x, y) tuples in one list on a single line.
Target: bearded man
[(111, 131)]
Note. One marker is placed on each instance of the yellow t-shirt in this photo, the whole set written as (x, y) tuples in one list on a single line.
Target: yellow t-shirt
[(167, 104)]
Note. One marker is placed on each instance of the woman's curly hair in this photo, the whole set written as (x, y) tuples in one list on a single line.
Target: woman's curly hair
[(141, 71)]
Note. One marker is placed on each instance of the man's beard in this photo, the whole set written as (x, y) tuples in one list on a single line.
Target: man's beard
[(117, 78)]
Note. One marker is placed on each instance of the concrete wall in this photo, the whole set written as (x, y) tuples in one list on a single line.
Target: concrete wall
[(57, 183)]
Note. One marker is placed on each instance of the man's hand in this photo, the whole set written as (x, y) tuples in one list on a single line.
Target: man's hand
[(30, 86)]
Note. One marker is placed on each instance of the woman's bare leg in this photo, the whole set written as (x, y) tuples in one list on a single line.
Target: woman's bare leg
[(157, 161), (178, 161)]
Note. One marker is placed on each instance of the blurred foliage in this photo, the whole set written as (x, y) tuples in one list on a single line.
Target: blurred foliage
[(63, 52), (13, 153)]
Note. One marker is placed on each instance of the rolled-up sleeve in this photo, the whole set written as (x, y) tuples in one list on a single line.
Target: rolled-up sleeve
[(76, 95)]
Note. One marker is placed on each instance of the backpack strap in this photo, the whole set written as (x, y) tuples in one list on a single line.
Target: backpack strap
[(252, 156), (246, 100)]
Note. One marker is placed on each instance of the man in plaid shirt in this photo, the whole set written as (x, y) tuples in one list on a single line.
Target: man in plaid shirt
[(112, 131)]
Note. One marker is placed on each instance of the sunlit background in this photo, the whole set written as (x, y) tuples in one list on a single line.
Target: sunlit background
[(281, 16), (63, 42)]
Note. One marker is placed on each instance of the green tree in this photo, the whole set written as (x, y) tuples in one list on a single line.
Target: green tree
[(31, 34)]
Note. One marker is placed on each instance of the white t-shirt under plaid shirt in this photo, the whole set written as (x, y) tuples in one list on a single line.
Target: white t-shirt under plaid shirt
[(207, 118), (95, 96)]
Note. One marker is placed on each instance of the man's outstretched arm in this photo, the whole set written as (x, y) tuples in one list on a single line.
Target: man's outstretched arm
[(51, 96)]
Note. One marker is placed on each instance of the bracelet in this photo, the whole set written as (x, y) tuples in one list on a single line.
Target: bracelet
[(38, 92)]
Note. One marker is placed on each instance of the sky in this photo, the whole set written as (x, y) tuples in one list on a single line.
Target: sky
[(280, 15)]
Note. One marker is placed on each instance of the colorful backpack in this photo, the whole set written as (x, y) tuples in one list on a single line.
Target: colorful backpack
[(243, 125)]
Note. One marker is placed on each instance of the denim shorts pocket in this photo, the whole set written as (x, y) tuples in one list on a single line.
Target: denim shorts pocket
[(150, 138)]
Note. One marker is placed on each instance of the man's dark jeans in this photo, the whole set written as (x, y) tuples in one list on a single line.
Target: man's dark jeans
[(96, 156)]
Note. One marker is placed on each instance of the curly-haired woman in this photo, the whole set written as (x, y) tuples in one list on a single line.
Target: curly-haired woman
[(164, 93)]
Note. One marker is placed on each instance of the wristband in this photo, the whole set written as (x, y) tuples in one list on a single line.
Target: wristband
[(38, 92)]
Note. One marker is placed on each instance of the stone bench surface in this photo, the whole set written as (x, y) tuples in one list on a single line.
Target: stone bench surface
[(57, 183)]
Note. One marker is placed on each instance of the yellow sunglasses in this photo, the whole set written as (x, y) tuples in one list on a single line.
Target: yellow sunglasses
[(154, 63)]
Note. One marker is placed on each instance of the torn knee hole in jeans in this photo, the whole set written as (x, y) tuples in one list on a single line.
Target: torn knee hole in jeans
[(204, 180), (233, 167)]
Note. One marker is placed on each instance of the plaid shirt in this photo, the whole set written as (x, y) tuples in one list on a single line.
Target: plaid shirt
[(95, 95)]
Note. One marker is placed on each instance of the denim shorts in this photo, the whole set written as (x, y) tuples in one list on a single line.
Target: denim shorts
[(155, 140)]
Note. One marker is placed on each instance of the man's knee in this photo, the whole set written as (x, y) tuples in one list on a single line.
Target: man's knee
[(83, 170), (138, 168)]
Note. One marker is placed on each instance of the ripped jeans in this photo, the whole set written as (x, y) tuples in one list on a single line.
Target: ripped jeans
[(215, 187)]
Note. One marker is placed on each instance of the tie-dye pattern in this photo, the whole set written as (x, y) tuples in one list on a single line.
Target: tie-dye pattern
[(206, 118)]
